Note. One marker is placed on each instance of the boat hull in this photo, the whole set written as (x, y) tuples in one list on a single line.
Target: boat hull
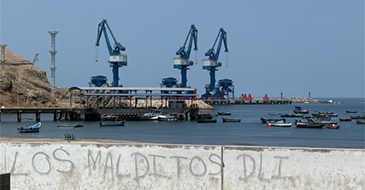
[(292, 115), (230, 120), (357, 117), (309, 125), (332, 126), (360, 121), (28, 130), (344, 119), (224, 113), (31, 129), (112, 124), (279, 124), (263, 120)]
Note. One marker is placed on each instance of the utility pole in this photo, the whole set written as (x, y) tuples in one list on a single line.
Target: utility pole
[(2, 56), (2, 46), (53, 52)]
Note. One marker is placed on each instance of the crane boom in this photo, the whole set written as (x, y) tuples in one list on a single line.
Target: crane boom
[(116, 59), (222, 36), (182, 62)]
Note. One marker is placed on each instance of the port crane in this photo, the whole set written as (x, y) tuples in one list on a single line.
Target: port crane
[(116, 59), (212, 63), (182, 62)]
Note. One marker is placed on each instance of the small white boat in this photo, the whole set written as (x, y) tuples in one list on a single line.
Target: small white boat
[(153, 115), (279, 124), (167, 117)]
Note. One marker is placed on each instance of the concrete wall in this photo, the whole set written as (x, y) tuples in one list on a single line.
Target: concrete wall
[(115, 165)]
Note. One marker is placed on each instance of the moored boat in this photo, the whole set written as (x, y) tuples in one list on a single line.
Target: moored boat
[(332, 126), (31, 129), (299, 110), (279, 124), (263, 120), (224, 113), (357, 117), (230, 119), (153, 115), (292, 115), (112, 123), (300, 124), (344, 119), (350, 111), (167, 117), (358, 121)]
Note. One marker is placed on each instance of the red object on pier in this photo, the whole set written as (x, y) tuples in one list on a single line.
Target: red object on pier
[(265, 97), (249, 97), (281, 95)]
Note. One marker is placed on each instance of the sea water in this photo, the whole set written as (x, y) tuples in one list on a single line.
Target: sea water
[(250, 131)]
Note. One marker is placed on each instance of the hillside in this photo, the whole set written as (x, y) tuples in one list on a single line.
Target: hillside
[(23, 84)]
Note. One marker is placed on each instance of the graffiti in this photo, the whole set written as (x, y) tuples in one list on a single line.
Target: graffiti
[(246, 159), (41, 160), (137, 165), (155, 174), (13, 167), (63, 160)]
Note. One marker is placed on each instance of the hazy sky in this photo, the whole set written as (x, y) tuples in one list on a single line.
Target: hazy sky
[(274, 46)]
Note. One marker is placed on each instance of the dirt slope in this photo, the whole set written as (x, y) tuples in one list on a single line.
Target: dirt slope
[(25, 85)]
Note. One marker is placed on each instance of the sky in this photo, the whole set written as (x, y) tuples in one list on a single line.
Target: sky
[(294, 47)]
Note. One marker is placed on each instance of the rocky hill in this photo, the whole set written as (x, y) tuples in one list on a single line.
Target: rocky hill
[(25, 85)]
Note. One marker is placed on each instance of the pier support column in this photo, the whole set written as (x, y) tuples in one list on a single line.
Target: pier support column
[(19, 116), (38, 115), (103, 101), (55, 116)]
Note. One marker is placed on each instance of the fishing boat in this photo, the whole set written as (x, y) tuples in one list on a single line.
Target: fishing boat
[(299, 109), (344, 119), (332, 126), (207, 120), (224, 113), (292, 115), (357, 117), (230, 119), (112, 123), (110, 118), (263, 120), (153, 115), (31, 129), (167, 117), (358, 121), (323, 119), (300, 124), (279, 124)]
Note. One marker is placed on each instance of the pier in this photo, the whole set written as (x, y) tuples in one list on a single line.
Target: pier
[(238, 101), (67, 114)]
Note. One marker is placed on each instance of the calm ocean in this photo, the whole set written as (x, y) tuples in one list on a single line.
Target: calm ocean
[(249, 131)]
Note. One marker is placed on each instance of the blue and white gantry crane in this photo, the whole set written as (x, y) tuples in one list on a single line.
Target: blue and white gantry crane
[(212, 63), (116, 59), (182, 62)]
